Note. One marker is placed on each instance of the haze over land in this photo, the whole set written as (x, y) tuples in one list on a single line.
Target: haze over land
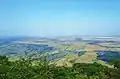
[(64, 27), (59, 39)]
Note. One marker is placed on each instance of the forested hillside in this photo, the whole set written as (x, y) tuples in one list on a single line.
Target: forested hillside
[(25, 69)]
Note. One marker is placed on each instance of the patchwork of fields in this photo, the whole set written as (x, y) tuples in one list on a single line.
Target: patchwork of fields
[(63, 51)]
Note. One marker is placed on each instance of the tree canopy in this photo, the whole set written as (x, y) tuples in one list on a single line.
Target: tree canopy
[(24, 69)]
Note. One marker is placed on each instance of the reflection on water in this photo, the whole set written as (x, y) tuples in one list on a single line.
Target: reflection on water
[(108, 55)]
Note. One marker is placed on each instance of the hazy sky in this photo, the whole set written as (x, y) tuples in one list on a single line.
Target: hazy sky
[(59, 17)]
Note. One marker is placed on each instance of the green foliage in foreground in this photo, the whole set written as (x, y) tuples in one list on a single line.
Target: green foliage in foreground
[(23, 69)]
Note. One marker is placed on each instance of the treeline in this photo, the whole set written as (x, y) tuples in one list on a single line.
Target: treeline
[(24, 69)]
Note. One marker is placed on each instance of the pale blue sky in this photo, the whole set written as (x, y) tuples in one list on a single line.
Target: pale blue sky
[(59, 17)]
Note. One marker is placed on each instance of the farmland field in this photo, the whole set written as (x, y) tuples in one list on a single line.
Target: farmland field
[(63, 51)]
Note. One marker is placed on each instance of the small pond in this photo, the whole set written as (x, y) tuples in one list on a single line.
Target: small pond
[(108, 55)]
